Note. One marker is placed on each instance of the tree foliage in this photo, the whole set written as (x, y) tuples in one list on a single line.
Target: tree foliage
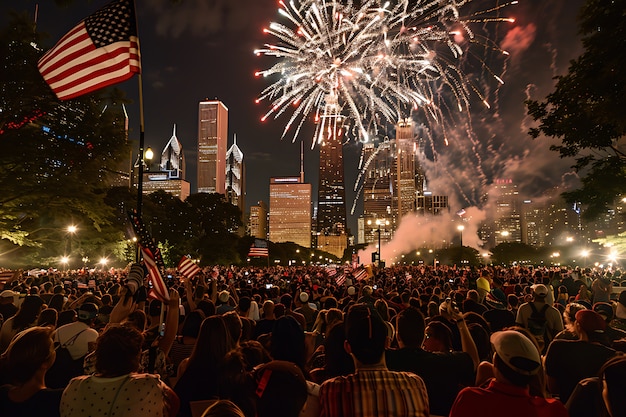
[(55, 157), (585, 110)]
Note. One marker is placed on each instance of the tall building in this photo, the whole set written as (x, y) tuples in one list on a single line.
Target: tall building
[(405, 172), (235, 177), (171, 174), (377, 191), (331, 199), (212, 142), (508, 226), (394, 184), (290, 210), (258, 220)]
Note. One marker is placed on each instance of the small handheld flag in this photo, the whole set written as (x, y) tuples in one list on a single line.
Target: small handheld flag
[(188, 268)]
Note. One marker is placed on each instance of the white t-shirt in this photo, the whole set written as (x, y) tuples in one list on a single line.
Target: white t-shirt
[(133, 395)]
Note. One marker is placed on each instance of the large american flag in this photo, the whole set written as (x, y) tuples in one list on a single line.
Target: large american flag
[(100, 51), (259, 248)]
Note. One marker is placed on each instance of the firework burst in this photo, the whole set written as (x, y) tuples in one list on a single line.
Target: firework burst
[(374, 63)]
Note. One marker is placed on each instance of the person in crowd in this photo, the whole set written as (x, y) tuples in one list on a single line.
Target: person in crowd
[(569, 361), (223, 304), (305, 309), (7, 304), (48, 317), (266, 324), (24, 365), (287, 301), (280, 389), (443, 373), (569, 321), (516, 360), (116, 389), (471, 303), (552, 321), (184, 344), (333, 358), (199, 375), (603, 395), (606, 311), (483, 285), (601, 288), (25, 317), (372, 390), (619, 321), (437, 338), (223, 408)]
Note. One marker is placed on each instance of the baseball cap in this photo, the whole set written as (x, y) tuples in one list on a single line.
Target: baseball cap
[(304, 297), (351, 290), (517, 351), (87, 311), (540, 290), (590, 321), (604, 309), (224, 296), (7, 294)]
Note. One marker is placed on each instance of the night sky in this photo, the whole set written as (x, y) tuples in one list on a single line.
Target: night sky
[(201, 49)]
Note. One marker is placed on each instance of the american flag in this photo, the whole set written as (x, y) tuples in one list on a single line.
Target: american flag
[(159, 289), (341, 279), (259, 248), (8, 276), (360, 274), (188, 268), (101, 50), (331, 271)]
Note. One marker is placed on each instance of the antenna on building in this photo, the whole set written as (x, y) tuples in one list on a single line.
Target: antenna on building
[(174, 131), (302, 162)]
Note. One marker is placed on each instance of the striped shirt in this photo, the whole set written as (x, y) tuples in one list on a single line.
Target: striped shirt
[(374, 392)]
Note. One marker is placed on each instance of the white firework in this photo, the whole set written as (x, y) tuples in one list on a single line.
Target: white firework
[(372, 62)]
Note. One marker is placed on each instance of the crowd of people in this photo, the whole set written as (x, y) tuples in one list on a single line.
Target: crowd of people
[(315, 341)]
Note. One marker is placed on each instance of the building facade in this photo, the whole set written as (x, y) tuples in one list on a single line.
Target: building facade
[(212, 142), (258, 220), (290, 210)]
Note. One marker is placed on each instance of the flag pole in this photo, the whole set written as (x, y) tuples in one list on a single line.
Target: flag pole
[(141, 138)]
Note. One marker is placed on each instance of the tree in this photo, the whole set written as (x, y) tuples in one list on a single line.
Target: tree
[(585, 111), (55, 157)]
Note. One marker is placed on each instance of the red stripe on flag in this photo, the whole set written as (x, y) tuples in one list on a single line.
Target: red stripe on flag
[(158, 285)]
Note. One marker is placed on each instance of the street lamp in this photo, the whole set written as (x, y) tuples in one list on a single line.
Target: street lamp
[(585, 254), (71, 229), (460, 228), (65, 260)]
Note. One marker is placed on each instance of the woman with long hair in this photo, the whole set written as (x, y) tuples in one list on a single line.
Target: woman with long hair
[(24, 365), (200, 374), (25, 317), (117, 388)]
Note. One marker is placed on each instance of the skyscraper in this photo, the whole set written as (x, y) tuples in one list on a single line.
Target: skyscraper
[(171, 174), (212, 142), (290, 210), (331, 201), (235, 177), (258, 220)]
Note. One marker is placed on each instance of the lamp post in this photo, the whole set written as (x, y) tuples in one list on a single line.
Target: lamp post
[(460, 228), (71, 230)]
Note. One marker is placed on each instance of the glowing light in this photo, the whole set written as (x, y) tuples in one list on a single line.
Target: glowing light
[(72, 229)]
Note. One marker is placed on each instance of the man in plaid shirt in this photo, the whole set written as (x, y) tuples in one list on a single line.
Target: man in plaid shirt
[(372, 390)]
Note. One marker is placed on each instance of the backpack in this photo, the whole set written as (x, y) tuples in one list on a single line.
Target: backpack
[(64, 367), (538, 324)]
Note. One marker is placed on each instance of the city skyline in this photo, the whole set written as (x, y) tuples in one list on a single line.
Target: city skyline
[(212, 58)]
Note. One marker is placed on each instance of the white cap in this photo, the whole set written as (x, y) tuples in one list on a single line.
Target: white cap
[(351, 290), (224, 296), (304, 297)]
